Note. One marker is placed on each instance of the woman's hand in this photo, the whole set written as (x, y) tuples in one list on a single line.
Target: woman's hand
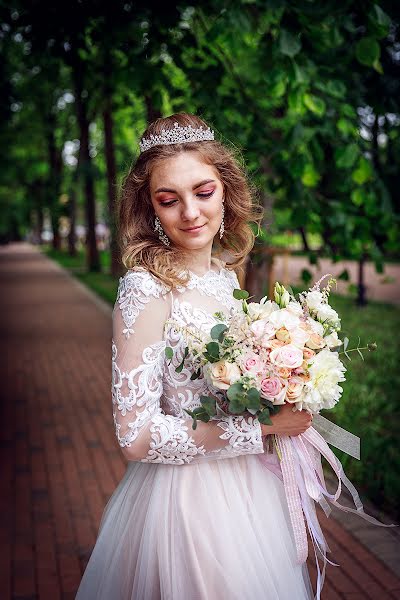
[(287, 422)]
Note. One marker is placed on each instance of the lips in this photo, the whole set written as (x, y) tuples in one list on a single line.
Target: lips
[(194, 228)]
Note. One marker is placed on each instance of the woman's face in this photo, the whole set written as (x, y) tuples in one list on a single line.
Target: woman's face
[(187, 197)]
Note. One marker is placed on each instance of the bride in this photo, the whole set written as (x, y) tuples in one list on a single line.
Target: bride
[(196, 516)]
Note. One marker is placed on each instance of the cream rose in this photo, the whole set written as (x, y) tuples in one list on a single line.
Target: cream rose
[(316, 341), (332, 340), (314, 300), (287, 356), (283, 335), (261, 310), (294, 389), (299, 337), (272, 344), (223, 374)]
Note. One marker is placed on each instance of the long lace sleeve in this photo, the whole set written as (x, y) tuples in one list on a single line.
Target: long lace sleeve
[(144, 431)]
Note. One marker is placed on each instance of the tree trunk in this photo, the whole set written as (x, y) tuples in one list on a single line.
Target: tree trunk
[(303, 234), (116, 266), (93, 258), (152, 112), (361, 290), (54, 186)]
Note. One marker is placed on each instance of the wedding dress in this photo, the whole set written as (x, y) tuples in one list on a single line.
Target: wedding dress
[(196, 516)]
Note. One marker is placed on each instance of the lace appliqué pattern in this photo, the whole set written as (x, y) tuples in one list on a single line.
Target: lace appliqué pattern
[(243, 435), (135, 289)]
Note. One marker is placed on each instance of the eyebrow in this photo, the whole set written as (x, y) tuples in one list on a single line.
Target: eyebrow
[(162, 189)]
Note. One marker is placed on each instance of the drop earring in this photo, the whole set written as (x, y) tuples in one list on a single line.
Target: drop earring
[(161, 233), (222, 226)]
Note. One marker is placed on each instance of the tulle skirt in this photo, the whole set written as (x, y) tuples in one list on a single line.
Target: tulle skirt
[(206, 531)]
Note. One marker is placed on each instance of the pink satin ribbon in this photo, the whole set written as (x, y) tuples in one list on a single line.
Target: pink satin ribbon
[(300, 469)]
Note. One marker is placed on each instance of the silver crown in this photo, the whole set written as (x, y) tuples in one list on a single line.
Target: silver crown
[(177, 135)]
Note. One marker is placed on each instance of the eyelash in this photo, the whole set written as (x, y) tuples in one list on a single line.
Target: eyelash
[(200, 195)]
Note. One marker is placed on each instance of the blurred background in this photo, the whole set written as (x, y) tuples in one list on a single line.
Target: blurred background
[(308, 90)]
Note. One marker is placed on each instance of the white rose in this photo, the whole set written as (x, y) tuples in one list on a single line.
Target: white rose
[(316, 327), (332, 340), (284, 318), (299, 337), (295, 308), (222, 374), (326, 313), (262, 310), (314, 299)]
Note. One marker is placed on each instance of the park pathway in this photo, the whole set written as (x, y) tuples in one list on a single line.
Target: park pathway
[(60, 461)]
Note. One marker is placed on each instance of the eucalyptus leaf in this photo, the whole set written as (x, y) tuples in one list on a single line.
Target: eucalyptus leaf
[(253, 399), (217, 332), (240, 294), (264, 417)]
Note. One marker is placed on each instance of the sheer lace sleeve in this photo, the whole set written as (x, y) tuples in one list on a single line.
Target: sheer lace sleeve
[(144, 432)]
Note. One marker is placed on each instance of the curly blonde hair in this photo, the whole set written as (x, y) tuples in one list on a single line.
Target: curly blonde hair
[(139, 242)]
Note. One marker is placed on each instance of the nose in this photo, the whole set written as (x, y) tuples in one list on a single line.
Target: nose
[(190, 212)]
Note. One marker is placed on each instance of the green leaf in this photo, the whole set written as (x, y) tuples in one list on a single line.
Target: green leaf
[(236, 407), (240, 294), (217, 332), (310, 176), (235, 391), (180, 367), (314, 104), (169, 353), (288, 44), (253, 399), (213, 349), (264, 417), (208, 404), (346, 156), (195, 375), (364, 171), (368, 51)]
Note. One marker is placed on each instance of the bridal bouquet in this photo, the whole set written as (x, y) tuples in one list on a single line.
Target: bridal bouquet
[(268, 353)]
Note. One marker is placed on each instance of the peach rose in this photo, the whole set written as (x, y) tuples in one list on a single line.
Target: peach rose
[(308, 353), (316, 341), (223, 374), (294, 389), (272, 344), (283, 335), (284, 372)]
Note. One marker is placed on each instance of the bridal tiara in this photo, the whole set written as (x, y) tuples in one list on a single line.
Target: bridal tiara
[(177, 135)]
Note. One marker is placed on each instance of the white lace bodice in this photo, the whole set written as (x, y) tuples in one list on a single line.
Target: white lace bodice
[(148, 395)]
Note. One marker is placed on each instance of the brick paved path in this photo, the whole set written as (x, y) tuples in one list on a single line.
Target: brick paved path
[(60, 461)]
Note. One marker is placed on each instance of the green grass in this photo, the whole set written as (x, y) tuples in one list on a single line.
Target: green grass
[(369, 407)]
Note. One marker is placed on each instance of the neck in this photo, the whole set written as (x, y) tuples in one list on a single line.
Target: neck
[(200, 261)]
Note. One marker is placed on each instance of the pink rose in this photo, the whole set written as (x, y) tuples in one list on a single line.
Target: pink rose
[(287, 356), (253, 364), (271, 387)]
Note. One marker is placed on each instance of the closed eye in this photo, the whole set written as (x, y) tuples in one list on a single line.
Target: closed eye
[(200, 195)]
